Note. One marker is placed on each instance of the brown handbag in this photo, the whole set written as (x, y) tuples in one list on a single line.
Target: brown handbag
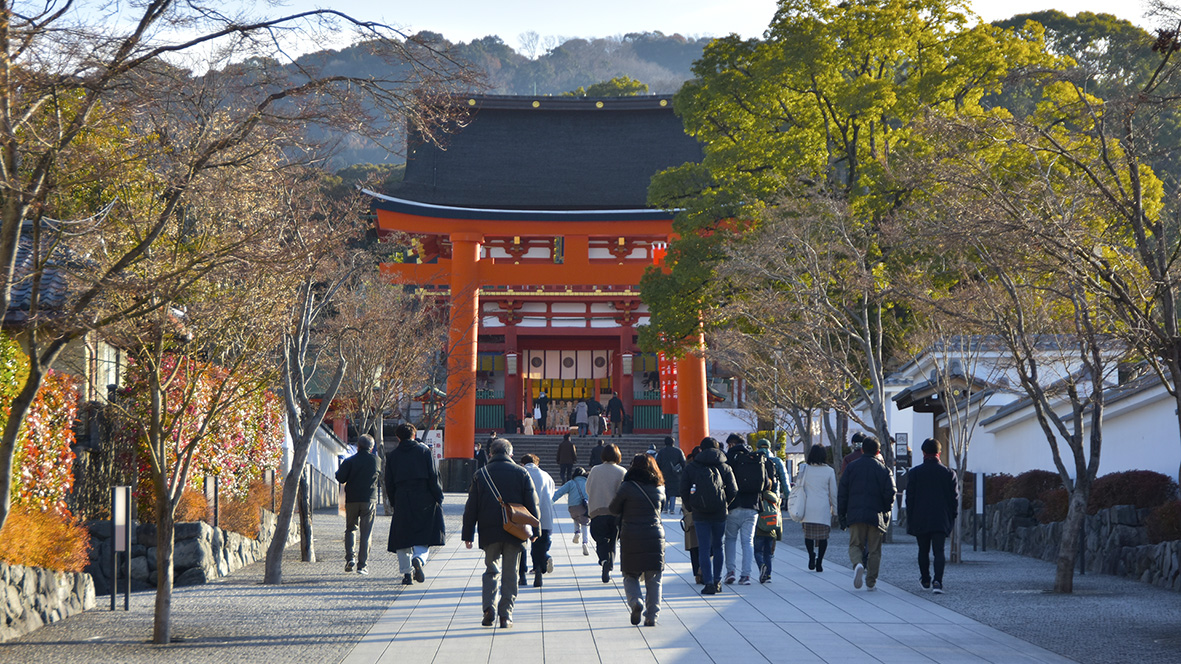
[(518, 520)]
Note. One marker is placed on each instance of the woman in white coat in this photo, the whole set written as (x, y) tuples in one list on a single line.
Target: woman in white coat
[(818, 482)]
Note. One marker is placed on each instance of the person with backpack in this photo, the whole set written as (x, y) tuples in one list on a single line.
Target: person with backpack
[(769, 526), (750, 475), (707, 487)]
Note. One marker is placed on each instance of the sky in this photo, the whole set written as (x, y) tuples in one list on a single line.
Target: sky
[(464, 20)]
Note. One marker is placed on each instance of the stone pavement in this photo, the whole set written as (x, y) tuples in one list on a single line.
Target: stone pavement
[(321, 614)]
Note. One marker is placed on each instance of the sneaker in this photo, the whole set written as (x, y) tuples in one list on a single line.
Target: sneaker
[(744, 581), (637, 609), (937, 587), (406, 581), (925, 584), (549, 565), (858, 575), (348, 567), (585, 549), (717, 588), (537, 580), (576, 537), (764, 574), (606, 571), (869, 588), (730, 578), (649, 622), (506, 622), (709, 589), (363, 570), (489, 616), (417, 564)]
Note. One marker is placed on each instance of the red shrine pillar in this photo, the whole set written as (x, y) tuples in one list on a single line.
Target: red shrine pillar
[(692, 408), (513, 402), (460, 435), (627, 378)]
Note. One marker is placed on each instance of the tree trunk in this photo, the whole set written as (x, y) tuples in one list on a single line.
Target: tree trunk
[(165, 543), (957, 528), (1068, 546), (307, 548), (274, 565)]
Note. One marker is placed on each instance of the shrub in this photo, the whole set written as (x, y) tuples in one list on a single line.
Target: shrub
[(995, 486), (1055, 504), (53, 539), (192, 507), (241, 515), (1032, 484), (1142, 488), (1164, 523)]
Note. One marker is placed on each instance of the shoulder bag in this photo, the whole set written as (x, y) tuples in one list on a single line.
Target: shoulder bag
[(795, 500), (518, 520)]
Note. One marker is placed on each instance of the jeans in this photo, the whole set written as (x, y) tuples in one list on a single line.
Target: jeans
[(358, 515), (651, 595), (670, 504), (497, 556), (605, 529), (927, 543), (740, 529), (709, 543), (406, 556), (565, 472), (764, 551), (866, 536), (582, 428)]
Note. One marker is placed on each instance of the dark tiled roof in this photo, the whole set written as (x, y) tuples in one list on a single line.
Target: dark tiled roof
[(563, 154), (54, 288)]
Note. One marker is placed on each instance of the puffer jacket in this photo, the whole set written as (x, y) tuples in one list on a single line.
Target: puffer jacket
[(641, 533), (698, 472), (866, 493)]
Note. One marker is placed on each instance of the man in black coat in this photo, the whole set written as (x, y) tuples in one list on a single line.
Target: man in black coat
[(865, 500), (542, 404), (412, 483), (931, 505), (615, 414), (596, 455), (502, 551), (671, 461), (707, 487), (359, 475)]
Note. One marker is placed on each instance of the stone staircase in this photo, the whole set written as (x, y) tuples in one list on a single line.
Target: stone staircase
[(546, 447)]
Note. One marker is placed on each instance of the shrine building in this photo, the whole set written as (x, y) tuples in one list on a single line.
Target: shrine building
[(532, 218)]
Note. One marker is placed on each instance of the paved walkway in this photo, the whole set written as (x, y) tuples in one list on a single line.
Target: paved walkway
[(321, 614)]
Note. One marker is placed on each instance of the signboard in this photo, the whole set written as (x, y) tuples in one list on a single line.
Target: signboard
[(668, 384), (434, 440)]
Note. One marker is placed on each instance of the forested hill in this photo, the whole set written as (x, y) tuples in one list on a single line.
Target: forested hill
[(661, 61)]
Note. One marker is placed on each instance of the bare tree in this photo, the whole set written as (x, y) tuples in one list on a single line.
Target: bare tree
[(67, 69)]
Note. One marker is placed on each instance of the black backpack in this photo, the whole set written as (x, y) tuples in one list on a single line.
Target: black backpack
[(707, 494), (749, 472)]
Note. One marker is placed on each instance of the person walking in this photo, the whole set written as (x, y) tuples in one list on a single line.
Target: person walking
[(500, 480), (615, 414), (690, 531), (601, 485), (707, 487), (750, 474), (542, 405), (567, 457), (817, 481), (581, 418), (932, 501), (641, 537), (412, 483), (855, 442), (779, 474), (359, 475), (543, 563), (769, 528), (594, 414), (671, 461), (576, 504), (865, 499), (596, 455)]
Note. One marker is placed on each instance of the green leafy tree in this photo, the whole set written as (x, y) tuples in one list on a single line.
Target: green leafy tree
[(821, 107), (620, 86)]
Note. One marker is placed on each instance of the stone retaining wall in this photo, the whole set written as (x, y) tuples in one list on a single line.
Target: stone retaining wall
[(201, 553), (1115, 541), (33, 597)]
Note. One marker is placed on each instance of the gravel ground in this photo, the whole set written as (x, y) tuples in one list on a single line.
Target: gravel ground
[(317, 615), (1106, 619)]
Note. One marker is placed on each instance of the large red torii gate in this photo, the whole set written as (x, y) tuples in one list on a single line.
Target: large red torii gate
[(465, 273)]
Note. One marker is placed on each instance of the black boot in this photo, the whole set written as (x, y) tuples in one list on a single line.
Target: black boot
[(820, 555), (810, 544)]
